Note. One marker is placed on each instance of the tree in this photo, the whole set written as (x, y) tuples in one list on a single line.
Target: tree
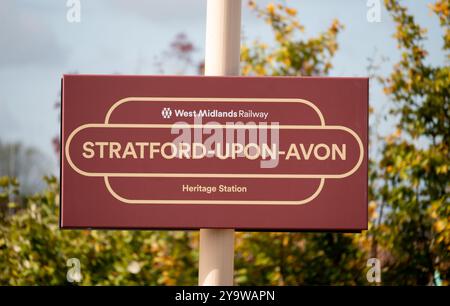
[(413, 170), (27, 164)]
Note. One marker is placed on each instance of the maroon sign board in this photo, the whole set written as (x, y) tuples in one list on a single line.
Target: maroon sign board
[(249, 153)]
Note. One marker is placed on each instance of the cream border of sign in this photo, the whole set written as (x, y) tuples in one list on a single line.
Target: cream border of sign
[(214, 175)]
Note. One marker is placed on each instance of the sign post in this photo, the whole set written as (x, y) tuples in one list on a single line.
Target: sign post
[(222, 56)]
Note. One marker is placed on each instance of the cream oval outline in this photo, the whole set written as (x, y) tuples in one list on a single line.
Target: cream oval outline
[(232, 100), (211, 175), (239, 202)]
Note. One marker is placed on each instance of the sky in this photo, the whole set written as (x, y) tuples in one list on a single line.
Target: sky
[(38, 45)]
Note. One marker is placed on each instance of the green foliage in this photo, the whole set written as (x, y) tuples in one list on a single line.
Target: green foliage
[(9, 188), (295, 258)]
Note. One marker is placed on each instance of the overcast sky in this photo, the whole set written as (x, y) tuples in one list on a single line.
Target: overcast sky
[(38, 45)]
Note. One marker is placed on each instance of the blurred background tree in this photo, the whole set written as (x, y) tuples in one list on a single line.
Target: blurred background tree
[(294, 258), (413, 170), (408, 188), (33, 250), (24, 163)]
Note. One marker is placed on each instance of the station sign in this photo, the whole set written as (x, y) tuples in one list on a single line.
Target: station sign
[(249, 153)]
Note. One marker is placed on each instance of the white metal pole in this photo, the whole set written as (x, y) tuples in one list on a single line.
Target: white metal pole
[(222, 51)]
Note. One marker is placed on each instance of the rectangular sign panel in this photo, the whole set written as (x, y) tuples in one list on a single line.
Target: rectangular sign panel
[(250, 153)]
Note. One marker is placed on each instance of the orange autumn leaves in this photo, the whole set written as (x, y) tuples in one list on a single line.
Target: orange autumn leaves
[(293, 54)]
